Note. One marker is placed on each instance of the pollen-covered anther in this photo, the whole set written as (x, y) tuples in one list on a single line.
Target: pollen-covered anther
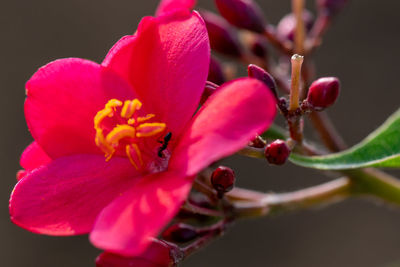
[(126, 127), (129, 108), (134, 155), (150, 129)]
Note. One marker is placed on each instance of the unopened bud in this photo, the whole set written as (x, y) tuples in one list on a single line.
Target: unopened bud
[(287, 25), (331, 7), (245, 14), (259, 73), (180, 233), (257, 142), (223, 179), (323, 92), (277, 152), (209, 89), (223, 39), (216, 73), (259, 48)]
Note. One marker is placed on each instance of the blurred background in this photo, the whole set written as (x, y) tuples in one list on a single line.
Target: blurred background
[(361, 49)]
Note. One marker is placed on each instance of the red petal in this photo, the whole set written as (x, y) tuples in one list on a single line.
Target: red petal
[(167, 6), (125, 225), (156, 255), (65, 196), (230, 118), (62, 99), (167, 63)]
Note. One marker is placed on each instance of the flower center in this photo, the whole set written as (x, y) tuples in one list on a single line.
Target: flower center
[(120, 129)]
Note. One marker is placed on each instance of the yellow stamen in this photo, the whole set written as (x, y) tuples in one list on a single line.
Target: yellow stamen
[(119, 132), (150, 129), (133, 152), (145, 118), (107, 112), (113, 103), (128, 125), (131, 121), (103, 145), (130, 107)]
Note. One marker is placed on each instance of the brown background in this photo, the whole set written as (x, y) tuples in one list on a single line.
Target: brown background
[(361, 49)]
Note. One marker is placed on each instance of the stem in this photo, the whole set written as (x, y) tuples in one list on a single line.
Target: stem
[(377, 183), (327, 132), (299, 36), (215, 231), (272, 203), (200, 210), (321, 25), (283, 47), (297, 62), (320, 194)]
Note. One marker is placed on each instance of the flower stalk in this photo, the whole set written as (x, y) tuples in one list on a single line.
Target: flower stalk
[(299, 36)]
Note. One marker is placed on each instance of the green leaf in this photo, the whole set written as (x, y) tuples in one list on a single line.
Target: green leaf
[(275, 132), (380, 149)]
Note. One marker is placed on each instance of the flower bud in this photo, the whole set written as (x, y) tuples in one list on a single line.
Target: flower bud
[(180, 233), (277, 152), (287, 25), (209, 89), (331, 7), (323, 92), (258, 73), (259, 48), (223, 179), (222, 36), (216, 73), (245, 14)]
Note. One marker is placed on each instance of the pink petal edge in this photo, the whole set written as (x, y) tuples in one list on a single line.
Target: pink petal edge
[(230, 118), (125, 225), (33, 157), (65, 196), (168, 6)]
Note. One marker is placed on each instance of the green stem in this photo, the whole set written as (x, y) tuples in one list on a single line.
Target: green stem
[(373, 182)]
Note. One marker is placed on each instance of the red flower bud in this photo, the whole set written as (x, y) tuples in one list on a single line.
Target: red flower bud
[(223, 179), (215, 73), (244, 14), (180, 233), (287, 25), (258, 73), (259, 48), (331, 7), (223, 39), (209, 89), (323, 92), (277, 152)]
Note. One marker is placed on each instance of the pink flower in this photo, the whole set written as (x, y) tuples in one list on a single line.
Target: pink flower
[(97, 166)]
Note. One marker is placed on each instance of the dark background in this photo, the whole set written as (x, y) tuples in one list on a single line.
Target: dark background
[(361, 49)]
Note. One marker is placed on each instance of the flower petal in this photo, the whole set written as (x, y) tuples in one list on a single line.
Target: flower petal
[(167, 6), (156, 255), (65, 196), (167, 63), (125, 225), (62, 99), (33, 157), (230, 118)]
